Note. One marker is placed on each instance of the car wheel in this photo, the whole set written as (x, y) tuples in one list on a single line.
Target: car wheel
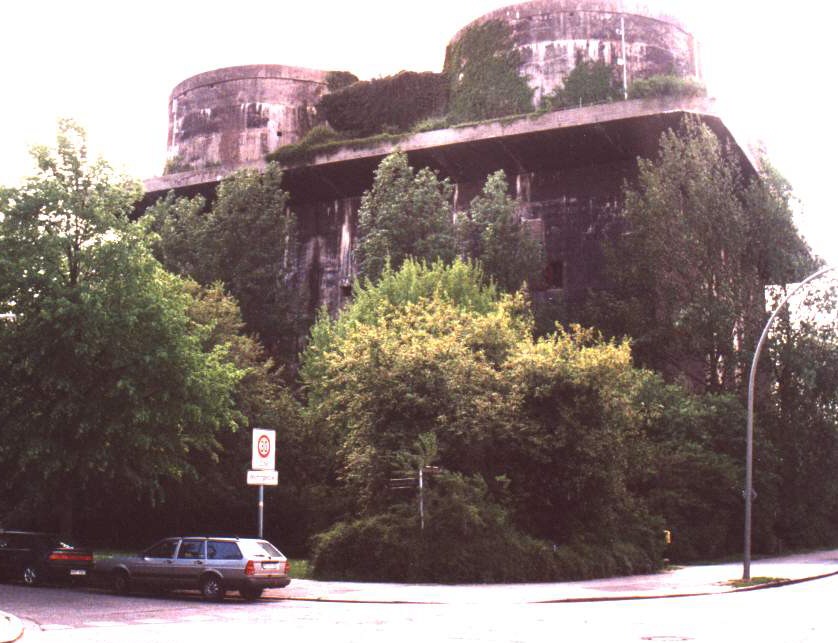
[(251, 593), (120, 582), (30, 575), (211, 588)]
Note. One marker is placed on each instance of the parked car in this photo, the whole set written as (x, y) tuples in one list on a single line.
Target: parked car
[(213, 565), (34, 557)]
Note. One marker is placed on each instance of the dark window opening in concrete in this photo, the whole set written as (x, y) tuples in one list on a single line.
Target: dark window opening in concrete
[(554, 274)]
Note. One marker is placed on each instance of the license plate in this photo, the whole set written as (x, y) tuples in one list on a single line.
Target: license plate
[(78, 572), (270, 565)]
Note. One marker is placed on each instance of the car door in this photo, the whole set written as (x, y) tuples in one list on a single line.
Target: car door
[(190, 562), (6, 556), (154, 565)]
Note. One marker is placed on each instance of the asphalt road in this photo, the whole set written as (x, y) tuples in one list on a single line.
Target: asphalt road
[(797, 613)]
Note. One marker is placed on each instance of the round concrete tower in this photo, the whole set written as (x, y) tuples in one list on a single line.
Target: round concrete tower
[(232, 116), (552, 35)]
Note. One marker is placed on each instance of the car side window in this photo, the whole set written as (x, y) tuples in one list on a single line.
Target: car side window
[(165, 549), (223, 550), (18, 541), (191, 549)]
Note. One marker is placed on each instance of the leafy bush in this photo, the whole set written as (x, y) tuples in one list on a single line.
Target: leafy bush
[(467, 538), (666, 85), (368, 107)]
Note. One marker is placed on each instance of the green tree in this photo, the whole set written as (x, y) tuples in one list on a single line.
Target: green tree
[(406, 213), (549, 429), (702, 240), (691, 469), (180, 225), (248, 240), (428, 366), (105, 380), (798, 443), (578, 436), (493, 234)]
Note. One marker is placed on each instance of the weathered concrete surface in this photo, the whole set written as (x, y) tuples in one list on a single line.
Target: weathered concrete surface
[(552, 34), (567, 168), (238, 115)]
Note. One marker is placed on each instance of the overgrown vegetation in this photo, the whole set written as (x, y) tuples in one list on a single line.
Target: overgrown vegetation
[(322, 139), (552, 455), (431, 351), (483, 71), (408, 213), (589, 82), (391, 104), (665, 85)]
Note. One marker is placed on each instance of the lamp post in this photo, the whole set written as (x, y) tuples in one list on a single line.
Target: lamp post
[(749, 449)]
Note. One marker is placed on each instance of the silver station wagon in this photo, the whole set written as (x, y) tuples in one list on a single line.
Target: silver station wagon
[(213, 565)]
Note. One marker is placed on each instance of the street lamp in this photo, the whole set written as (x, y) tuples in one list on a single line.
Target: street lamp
[(749, 451)]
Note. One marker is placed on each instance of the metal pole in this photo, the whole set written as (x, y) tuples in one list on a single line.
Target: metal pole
[(421, 502), (625, 58), (261, 509), (749, 448)]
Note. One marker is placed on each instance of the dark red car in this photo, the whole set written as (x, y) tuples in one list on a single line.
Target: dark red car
[(34, 557)]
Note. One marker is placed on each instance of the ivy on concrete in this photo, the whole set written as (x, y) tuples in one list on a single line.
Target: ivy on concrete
[(589, 82), (482, 68)]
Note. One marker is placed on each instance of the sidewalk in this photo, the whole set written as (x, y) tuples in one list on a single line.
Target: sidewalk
[(11, 629), (694, 580), (684, 581)]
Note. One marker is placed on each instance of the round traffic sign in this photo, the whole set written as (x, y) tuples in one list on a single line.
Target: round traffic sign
[(264, 446)]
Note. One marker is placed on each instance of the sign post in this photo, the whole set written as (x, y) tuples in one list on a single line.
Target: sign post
[(263, 464)]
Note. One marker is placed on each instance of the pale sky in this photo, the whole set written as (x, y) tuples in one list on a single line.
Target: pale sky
[(111, 66)]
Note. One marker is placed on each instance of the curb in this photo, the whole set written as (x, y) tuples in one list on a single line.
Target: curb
[(11, 629), (779, 582)]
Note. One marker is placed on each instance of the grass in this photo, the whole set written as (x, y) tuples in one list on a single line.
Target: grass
[(756, 580)]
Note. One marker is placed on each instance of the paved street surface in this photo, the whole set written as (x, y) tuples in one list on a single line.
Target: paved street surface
[(706, 610)]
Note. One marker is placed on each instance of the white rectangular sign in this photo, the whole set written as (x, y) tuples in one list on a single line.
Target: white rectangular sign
[(264, 450), (263, 477)]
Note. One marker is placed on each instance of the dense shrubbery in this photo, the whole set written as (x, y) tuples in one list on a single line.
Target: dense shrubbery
[(467, 538), (389, 104), (548, 459)]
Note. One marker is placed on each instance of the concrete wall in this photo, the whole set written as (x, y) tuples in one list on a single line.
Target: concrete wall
[(232, 116), (552, 34), (570, 209)]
